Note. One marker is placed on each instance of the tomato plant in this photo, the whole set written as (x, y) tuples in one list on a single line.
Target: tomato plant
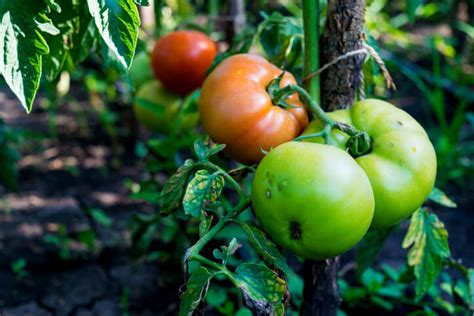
[(237, 110), (180, 60), (312, 199), (402, 161)]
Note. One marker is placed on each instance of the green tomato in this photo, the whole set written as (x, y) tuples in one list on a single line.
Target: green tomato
[(402, 163), (159, 110), (312, 199), (140, 70)]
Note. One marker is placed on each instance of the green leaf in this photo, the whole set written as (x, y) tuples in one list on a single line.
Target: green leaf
[(99, 216), (370, 247), (427, 239), (263, 290), (117, 22), (72, 24), (205, 148), (202, 192), (53, 5), (204, 225), (22, 48), (173, 190), (281, 38), (45, 25), (196, 289), (226, 251), (265, 247), (441, 198)]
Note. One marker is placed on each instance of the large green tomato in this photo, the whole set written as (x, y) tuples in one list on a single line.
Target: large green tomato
[(402, 163), (160, 111), (140, 70), (312, 199)]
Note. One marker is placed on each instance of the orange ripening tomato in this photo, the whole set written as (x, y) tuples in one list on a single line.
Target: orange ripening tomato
[(236, 109), (180, 60)]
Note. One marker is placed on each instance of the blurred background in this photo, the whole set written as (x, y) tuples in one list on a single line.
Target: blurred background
[(78, 169)]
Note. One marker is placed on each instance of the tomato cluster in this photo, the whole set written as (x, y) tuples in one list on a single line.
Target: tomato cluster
[(177, 67), (310, 197)]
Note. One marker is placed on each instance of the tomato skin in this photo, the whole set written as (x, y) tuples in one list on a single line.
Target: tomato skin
[(140, 70), (319, 187), (158, 109), (402, 164), (181, 59), (236, 110)]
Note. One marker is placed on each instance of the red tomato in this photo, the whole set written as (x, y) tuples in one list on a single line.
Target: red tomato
[(180, 60)]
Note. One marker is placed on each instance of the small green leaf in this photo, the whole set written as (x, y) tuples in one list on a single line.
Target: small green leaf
[(226, 251), (427, 239), (264, 247), (202, 192), (441, 198), (196, 289), (263, 290), (45, 25), (53, 5), (204, 225), (99, 216), (173, 190), (117, 22), (369, 248), (205, 148)]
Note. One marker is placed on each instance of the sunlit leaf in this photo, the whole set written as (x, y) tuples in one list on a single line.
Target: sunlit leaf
[(117, 22), (22, 48), (441, 198)]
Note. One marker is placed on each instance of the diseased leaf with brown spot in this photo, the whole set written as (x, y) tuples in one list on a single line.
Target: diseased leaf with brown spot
[(202, 192), (196, 289), (263, 290), (428, 239)]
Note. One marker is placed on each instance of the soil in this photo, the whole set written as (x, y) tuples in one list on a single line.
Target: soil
[(61, 180)]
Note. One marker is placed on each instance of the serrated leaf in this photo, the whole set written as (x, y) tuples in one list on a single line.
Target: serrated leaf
[(196, 289), (174, 188), (117, 22), (205, 148), (441, 198), (202, 192), (265, 247), (226, 251), (369, 248), (262, 288), (427, 239), (21, 48)]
